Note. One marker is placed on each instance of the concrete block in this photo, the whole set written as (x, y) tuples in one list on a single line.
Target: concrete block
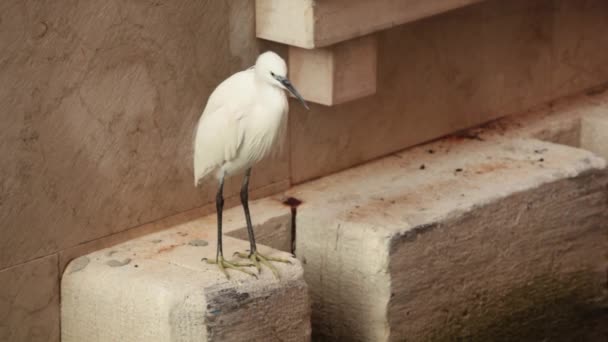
[(156, 288), (311, 24), (336, 74), (466, 238)]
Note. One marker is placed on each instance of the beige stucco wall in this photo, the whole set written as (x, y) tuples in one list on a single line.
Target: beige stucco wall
[(98, 101), (455, 70)]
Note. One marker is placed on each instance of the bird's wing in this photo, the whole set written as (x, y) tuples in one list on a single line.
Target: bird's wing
[(236, 90), (219, 134)]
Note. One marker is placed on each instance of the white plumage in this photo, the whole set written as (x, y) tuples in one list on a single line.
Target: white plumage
[(236, 130), (244, 119)]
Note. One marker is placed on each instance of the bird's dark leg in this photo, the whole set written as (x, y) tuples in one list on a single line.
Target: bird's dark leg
[(255, 257), (219, 256), (219, 206), (245, 203)]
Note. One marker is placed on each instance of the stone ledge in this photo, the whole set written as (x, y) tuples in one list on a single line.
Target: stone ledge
[(312, 24), (336, 74), (488, 224), (155, 288)]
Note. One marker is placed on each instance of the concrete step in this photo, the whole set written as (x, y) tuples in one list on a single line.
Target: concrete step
[(156, 288), (492, 234)]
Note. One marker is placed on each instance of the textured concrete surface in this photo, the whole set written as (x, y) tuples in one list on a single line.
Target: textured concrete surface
[(156, 288), (29, 302), (577, 56), (450, 239)]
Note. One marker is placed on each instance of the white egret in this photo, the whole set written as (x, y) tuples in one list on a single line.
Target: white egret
[(244, 118)]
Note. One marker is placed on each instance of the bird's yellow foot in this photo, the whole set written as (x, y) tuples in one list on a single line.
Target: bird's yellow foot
[(257, 259), (223, 265)]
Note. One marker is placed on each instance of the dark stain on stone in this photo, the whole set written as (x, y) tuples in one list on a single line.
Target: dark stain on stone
[(412, 234), (118, 263), (597, 90), (198, 243), (227, 300), (470, 134), (293, 203), (409, 236), (167, 248), (79, 264)]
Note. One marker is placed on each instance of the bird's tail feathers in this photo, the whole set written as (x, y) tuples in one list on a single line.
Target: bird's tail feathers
[(201, 175)]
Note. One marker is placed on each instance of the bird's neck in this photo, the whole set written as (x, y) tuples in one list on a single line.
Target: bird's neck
[(267, 89)]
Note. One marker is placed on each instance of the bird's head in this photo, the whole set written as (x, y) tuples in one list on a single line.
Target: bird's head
[(271, 68)]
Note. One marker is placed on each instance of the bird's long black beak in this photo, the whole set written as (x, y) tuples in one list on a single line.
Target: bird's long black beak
[(285, 82)]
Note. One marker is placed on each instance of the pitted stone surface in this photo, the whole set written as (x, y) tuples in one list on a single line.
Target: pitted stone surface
[(156, 288), (396, 251)]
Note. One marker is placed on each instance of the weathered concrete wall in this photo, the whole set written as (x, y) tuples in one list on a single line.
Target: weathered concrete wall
[(98, 100), (29, 301)]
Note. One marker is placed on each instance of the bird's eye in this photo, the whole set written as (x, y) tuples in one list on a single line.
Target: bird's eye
[(272, 74)]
